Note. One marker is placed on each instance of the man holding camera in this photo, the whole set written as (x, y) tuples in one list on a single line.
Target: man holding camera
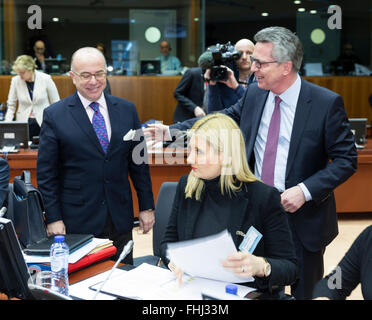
[(224, 93)]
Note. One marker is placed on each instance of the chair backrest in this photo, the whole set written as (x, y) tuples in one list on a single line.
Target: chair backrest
[(163, 210)]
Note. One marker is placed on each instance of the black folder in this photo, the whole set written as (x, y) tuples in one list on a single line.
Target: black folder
[(42, 247)]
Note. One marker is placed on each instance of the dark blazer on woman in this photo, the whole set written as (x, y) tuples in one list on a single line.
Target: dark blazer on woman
[(255, 205)]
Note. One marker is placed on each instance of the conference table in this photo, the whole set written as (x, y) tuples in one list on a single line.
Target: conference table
[(91, 271), (169, 164)]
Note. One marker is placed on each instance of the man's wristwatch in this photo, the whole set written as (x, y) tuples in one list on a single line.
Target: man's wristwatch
[(267, 268)]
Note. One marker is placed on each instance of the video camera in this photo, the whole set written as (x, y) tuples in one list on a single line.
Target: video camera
[(221, 54)]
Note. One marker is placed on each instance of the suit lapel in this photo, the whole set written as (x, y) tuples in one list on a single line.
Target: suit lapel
[(25, 90), (192, 215), (37, 84), (114, 115), (258, 107), (79, 114), (303, 109), (236, 222)]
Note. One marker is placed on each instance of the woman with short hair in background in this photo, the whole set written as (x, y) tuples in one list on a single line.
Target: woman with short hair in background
[(33, 90)]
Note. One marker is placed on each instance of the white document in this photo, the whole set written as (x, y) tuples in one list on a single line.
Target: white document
[(137, 282), (202, 257), (147, 282), (72, 258), (82, 289)]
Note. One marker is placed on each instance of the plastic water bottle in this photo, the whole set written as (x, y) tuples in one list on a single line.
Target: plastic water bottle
[(59, 252)]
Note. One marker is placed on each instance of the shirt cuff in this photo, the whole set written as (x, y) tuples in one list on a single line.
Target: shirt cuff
[(306, 192)]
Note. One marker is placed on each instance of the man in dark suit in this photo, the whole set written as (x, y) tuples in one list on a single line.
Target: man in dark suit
[(222, 94), (189, 94), (85, 157), (310, 150)]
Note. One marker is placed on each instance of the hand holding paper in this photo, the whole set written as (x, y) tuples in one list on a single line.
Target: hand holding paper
[(244, 264), (203, 257)]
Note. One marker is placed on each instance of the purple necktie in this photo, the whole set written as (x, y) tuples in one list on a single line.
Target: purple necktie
[(99, 126), (268, 164)]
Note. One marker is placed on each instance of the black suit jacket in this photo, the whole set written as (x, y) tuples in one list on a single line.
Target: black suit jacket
[(80, 184), (256, 205), (321, 154), (189, 94)]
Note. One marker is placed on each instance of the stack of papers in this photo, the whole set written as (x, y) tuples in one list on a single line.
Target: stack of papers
[(73, 257), (147, 282), (202, 257), (102, 244)]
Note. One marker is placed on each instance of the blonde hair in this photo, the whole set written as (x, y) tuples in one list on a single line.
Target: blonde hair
[(225, 137), (24, 62)]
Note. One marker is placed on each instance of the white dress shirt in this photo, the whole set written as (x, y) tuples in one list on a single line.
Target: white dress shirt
[(102, 108), (287, 113)]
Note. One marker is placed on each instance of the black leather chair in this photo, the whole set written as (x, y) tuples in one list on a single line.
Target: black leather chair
[(163, 210)]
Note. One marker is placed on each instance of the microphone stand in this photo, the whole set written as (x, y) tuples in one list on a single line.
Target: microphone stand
[(128, 248)]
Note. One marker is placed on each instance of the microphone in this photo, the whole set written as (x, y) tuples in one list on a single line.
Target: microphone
[(3, 211), (206, 60), (128, 248)]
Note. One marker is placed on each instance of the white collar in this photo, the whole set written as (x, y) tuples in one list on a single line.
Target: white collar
[(290, 96), (101, 100)]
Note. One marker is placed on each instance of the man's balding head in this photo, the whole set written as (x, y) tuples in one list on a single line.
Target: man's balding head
[(246, 47), (85, 63), (86, 53)]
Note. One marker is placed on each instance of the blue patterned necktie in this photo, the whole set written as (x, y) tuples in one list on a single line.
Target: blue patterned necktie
[(99, 126)]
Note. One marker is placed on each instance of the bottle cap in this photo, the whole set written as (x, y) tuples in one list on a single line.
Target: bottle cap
[(231, 288), (59, 238)]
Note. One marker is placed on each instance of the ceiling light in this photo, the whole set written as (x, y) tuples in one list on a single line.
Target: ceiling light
[(264, 14), (297, 2), (301, 9), (313, 11), (55, 19)]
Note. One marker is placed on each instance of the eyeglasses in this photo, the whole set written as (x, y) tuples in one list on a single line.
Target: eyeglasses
[(259, 63), (87, 76)]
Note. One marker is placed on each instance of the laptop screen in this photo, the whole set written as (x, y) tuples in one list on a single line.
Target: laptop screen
[(150, 67)]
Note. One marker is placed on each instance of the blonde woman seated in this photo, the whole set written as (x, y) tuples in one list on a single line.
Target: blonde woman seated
[(222, 193), (33, 90)]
